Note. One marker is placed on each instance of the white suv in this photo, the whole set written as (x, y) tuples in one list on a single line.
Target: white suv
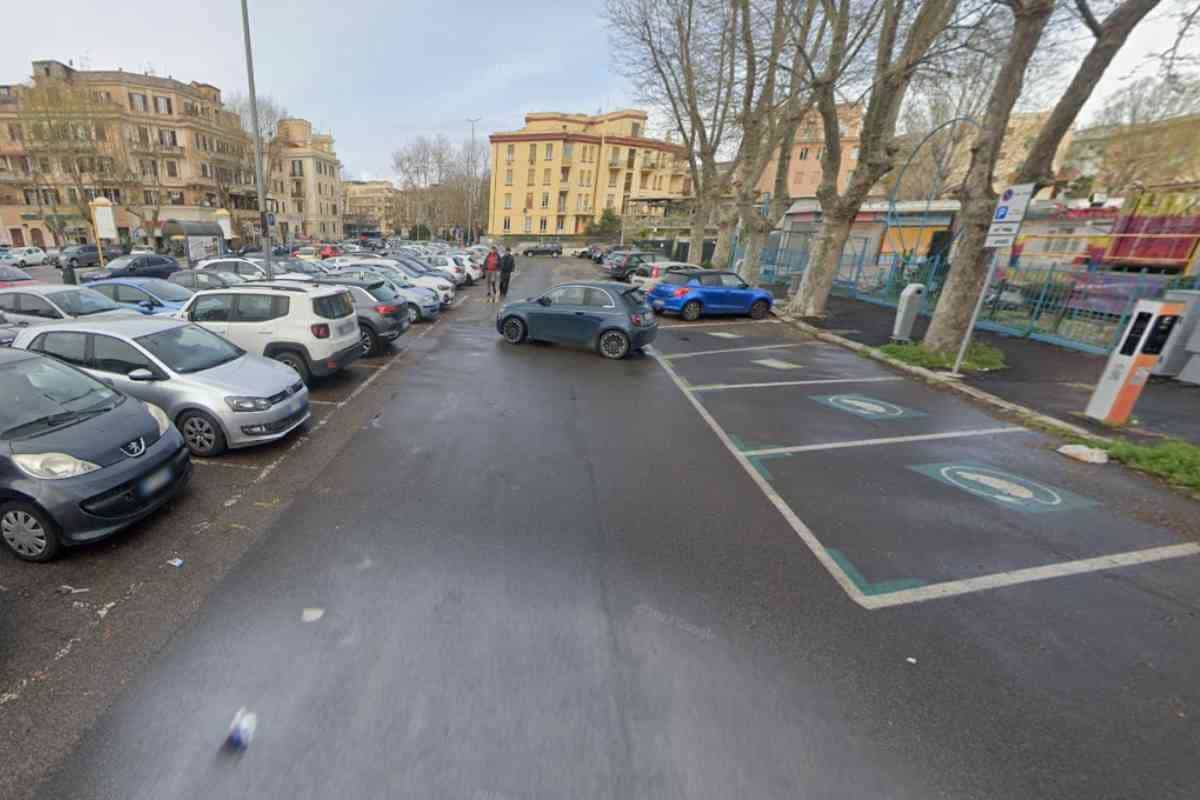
[(311, 328)]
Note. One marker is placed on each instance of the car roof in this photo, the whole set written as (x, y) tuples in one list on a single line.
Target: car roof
[(133, 280), (129, 327), (287, 286), (44, 288), (612, 286)]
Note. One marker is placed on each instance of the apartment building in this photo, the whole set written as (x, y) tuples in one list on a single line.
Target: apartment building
[(561, 171), (804, 170), (306, 183), (158, 148), (371, 206)]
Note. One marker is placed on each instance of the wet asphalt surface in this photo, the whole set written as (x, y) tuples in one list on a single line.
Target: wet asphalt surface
[(541, 574)]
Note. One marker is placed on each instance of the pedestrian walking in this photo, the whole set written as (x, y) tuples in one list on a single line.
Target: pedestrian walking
[(491, 265), (507, 264)]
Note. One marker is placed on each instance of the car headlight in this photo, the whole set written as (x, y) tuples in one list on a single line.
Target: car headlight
[(160, 417), (248, 403), (52, 466)]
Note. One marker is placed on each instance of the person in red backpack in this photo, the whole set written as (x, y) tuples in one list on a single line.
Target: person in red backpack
[(491, 265)]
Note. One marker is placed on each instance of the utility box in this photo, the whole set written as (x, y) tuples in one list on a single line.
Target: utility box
[(912, 300), (1175, 355), (1130, 364)]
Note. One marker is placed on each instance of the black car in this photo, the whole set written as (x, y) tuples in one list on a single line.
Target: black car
[(624, 263), (79, 460), (136, 266), (543, 249)]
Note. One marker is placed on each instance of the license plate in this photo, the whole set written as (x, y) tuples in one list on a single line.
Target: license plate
[(155, 481), (344, 328), (293, 406)]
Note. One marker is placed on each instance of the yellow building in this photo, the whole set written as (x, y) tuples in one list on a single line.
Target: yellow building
[(157, 147), (560, 171), (371, 206)]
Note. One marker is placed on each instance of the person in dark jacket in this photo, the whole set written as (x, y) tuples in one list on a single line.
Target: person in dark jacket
[(507, 265)]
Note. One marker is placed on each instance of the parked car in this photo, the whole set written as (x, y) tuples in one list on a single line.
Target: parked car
[(145, 295), (695, 292), (8, 331), (79, 460), (471, 268), (448, 267), (142, 250), (141, 266), (196, 280), (649, 273), (307, 253), (218, 395), (79, 255), (255, 269), (620, 265), (421, 275), (611, 318), (422, 303), (543, 249), (11, 276), (312, 329), (23, 257), (41, 304), (329, 251), (52, 254), (382, 313)]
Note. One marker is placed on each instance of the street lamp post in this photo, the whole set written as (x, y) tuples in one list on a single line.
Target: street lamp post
[(473, 187), (259, 179)]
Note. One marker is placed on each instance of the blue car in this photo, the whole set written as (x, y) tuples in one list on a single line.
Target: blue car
[(147, 295), (696, 292), (611, 318)]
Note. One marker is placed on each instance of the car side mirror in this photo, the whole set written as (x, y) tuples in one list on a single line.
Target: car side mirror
[(745, 285), (544, 301), (141, 375), (148, 305)]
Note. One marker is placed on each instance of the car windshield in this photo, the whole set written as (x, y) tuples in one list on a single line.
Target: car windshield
[(122, 262), (190, 348), (384, 293), (165, 290), (13, 274), (42, 394), (82, 302)]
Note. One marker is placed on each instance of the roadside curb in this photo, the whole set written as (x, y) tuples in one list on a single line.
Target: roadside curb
[(943, 379)]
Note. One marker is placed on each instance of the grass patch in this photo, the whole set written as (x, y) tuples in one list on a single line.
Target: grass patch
[(1175, 461), (980, 357)]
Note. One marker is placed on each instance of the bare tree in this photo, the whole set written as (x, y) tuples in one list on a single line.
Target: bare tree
[(969, 271), (895, 64), (436, 180)]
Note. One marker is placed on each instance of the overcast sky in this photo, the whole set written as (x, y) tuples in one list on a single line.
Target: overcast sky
[(373, 72)]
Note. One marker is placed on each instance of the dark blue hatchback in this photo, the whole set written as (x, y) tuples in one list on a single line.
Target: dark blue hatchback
[(611, 318), (693, 293)]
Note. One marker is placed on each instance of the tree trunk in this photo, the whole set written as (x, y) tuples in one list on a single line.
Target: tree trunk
[(752, 261), (696, 238), (968, 270), (822, 268), (726, 227)]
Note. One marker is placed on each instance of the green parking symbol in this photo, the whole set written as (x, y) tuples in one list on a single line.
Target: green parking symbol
[(1003, 488), (866, 407)]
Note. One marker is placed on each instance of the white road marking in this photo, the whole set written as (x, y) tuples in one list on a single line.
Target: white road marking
[(775, 363), (922, 593), (367, 366), (718, 324), (322, 402), (723, 334), (720, 387), (728, 350), (311, 614), (923, 437), (211, 462), (1016, 576)]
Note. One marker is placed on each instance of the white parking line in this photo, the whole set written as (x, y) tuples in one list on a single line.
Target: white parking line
[(322, 402), (720, 387), (728, 350), (923, 437), (719, 324), (922, 593), (211, 462)]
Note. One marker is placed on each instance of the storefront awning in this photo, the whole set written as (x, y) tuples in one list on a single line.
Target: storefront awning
[(175, 227)]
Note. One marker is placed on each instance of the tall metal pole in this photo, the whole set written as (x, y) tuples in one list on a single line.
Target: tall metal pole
[(259, 179), (474, 184), (962, 348)]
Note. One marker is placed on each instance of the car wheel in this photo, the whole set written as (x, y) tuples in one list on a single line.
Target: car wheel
[(368, 342), (414, 314), (296, 362), (514, 330), (614, 345), (691, 310), (20, 263), (202, 434), (28, 533), (759, 309)]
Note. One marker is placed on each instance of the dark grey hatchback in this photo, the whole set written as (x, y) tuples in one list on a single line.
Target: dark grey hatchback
[(78, 459), (611, 318)]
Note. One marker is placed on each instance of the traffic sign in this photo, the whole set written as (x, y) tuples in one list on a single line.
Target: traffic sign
[(1010, 210), (1002, 240)]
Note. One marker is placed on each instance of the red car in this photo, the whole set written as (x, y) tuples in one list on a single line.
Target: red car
[(11, 276), (329, 251)]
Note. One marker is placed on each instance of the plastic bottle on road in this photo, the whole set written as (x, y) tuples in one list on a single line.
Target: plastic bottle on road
[(241, 730)]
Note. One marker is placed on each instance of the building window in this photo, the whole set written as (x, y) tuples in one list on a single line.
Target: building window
[(149, 168), (545, 199), (546, 177), (854, 153), (610, 202), (299, 206), (528, 200), (143, 135), (508, 177), (204, 171), (612, 179), (802, 154), (637, 129), (532, 152), (579, 202), (137, 102), (163, 105), (15, 134), (508, 199), (529, 225), (542, 225), (508, 152), (148, 198), (31, 197), (167, 137), (172, 169), (614, 157), (175, 198), (72, 195), (532, 176), (549, 152), (297, 168), (507, 224), (100, 132), (558, 225)]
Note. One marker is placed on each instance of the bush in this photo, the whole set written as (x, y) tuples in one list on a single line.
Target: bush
[(980, 357)]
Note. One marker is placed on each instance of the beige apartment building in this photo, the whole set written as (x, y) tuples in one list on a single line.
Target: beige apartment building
[(158, 148), (561, 171), (371, 206), (804, 170)]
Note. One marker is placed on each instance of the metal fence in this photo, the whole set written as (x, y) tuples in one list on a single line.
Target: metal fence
[(1063, 304)]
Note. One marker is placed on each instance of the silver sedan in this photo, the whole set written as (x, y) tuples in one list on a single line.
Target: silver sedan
[(218, 395)]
